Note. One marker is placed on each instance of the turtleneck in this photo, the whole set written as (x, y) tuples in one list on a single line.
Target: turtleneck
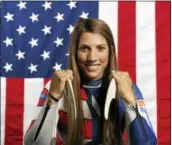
[(92, 83), (93, 88)]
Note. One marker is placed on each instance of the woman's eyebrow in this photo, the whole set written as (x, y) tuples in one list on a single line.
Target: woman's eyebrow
[(96, 45), (83, 45), (102, 45)]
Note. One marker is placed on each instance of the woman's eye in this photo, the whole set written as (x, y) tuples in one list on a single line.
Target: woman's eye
[(83, 48), (100, 48)]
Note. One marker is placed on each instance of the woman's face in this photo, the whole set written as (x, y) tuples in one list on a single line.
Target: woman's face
[(92, 55)]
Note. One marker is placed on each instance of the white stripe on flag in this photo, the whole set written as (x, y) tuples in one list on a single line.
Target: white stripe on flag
[(32, 91), (108, 11), (3, 104), (146, 57)]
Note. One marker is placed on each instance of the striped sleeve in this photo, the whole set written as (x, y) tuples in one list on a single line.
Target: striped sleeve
[(139, 128), (41, 102), (43, 129)]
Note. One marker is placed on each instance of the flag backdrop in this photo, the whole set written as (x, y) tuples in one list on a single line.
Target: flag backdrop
[(35, 40)]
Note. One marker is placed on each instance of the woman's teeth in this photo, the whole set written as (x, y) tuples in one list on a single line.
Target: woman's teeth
[(92, 67)]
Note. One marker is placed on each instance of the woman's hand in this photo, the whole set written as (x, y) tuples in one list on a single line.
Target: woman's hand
[(58, 83), (124, 86)]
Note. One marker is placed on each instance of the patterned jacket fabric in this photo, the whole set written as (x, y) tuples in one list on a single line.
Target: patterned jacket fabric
[(52, 122)]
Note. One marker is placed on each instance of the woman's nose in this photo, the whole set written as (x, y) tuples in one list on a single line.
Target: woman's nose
[(92, 56)]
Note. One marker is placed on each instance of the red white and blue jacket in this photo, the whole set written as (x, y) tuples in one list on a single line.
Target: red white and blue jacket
[(47, 128)]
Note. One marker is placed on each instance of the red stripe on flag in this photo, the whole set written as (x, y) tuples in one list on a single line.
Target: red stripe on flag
[(127, 41), (14, 111), (163, 71), (127, 38)]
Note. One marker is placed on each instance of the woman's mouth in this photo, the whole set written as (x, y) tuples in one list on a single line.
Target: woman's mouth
[(92, 67)]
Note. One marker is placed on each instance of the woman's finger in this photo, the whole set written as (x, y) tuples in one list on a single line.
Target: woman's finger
[(70, 73), (115, 75)]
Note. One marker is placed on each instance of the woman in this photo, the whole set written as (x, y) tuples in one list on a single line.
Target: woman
[(92, 63)]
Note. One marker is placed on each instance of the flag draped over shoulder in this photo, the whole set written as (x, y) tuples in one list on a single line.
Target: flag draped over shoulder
[(35, 40)]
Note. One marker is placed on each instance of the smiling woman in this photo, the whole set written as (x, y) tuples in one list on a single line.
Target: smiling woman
[(92, 55), (92, 64)]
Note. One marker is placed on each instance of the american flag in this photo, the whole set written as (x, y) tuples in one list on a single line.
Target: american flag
[(35, 40)]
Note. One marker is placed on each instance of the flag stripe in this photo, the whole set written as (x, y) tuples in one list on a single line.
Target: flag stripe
[(108, 11), (127, 38), (14, 111), (126, 41), (3, 107), (146, 56), (163, 71)]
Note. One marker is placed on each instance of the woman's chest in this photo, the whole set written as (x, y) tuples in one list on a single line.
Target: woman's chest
[(92, 117)]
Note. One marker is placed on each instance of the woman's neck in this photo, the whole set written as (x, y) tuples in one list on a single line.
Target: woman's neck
[(92, 83)]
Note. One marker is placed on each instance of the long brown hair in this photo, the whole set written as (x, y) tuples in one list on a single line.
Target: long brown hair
[(111, 130)]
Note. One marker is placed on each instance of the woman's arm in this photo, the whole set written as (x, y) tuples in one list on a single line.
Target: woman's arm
[(43, 129), (139, 128)]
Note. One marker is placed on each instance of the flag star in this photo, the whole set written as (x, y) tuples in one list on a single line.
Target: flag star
[(72, 5), (21, 29), (84, 15), (8, 67), (9, 17), (58, 41), (70, 28), (20, 55), (8, 41), (22, 5), (45, 55), (33, 42), (57, 66), (59, 17), (47, 5), (67, 54), (33, 68), (34, 17), (46, 30)]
